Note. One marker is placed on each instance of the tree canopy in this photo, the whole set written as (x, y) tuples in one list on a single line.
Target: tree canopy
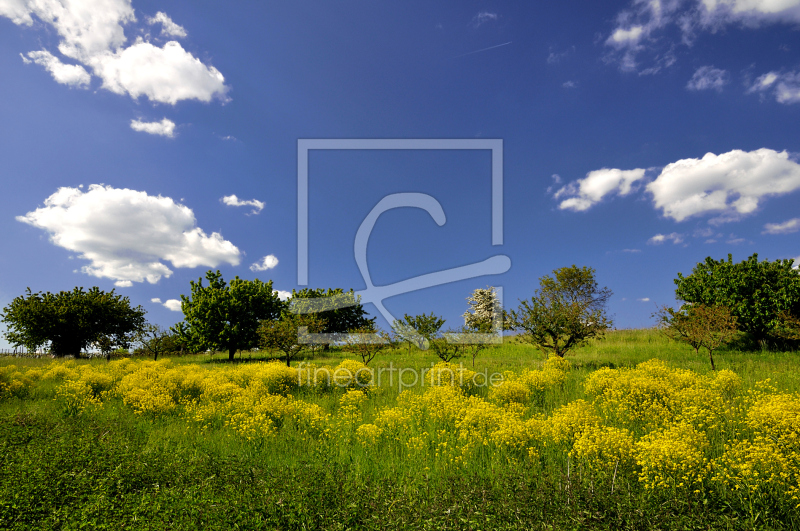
[(760, 294), (226, 317), (337, 321), (70, 321), (567, 310)]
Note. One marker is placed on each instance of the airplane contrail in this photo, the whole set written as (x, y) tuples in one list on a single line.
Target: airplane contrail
[(482, 50)]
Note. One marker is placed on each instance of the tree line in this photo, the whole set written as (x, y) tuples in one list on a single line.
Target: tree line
[(754, 302)]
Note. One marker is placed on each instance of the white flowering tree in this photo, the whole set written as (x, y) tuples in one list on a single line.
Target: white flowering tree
[(484, 313)]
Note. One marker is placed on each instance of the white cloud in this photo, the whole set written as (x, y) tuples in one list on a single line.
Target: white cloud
[(708, 78), (173, 304), (166, 75), (163, 128), (482, 18), (787, 227), (283, 295), (596, 185), (126, 234), (232, 200), (784, 86), (569, 84), (168, 27), (644, 28), (732, 183), (123, 283), (631, 250), (268, 262), (92, 32), (74, 75), (644, 299), (156, 300), (673, 237)]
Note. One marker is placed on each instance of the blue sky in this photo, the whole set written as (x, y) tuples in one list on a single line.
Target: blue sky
[(638, 138)]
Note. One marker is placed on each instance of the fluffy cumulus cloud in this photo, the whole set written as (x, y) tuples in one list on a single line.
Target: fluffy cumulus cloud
[(785, 87), (642, 28), (283, 295), (173, 305), (708, 78), (732, 184), (787, 227), (673, 237), (232, 200), (584, 193), (73, 75), (126, 235), (268, 262), (168, 27), (163, 128), (92, 32)]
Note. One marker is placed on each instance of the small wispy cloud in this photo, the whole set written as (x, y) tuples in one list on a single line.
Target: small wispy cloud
[(165, 127), (232, 200), (168, 27), (787, 227), (644, 299), (482, 18), (673, 237), (708, 78)]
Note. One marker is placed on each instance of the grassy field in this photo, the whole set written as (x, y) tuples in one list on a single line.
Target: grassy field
[(610, 440)]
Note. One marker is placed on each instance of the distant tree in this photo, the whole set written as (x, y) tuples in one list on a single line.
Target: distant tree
[(698, 326), (418, 329), (484, 313), (367, 342), (567, 310), (757, 293), (224, 316), (338, 320), (286, 334), (156, 341), (70, 321)]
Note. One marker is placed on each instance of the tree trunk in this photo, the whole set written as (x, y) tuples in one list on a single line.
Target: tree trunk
[(231, 353), (711, 357), (288, 359)]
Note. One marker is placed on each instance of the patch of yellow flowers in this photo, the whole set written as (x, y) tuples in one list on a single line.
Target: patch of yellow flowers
[(670, 430)]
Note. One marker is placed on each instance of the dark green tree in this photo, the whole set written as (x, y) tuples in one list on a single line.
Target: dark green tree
[(338, 320), (71, 321), (757, 293), (568, 309), (224, 316)]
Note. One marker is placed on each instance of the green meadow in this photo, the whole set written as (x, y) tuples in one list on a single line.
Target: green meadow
[(611, 440)]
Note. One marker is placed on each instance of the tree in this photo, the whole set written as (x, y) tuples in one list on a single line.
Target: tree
[(367, 342), (286, 334), (698, 326), (484, 313), (757, 293), (224, 316), (567, 310), (338, 320), (419, 329), (155, 340), (71, 321)]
